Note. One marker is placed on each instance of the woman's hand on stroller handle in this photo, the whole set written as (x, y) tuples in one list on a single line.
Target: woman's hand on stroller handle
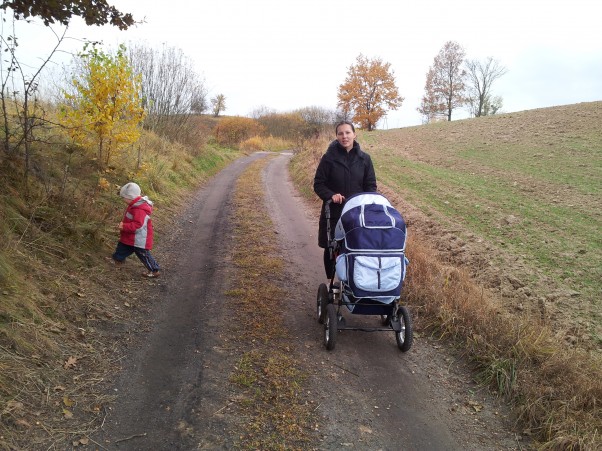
[(338, 198)]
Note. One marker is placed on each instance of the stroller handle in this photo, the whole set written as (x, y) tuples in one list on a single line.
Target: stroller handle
[(332, 243)]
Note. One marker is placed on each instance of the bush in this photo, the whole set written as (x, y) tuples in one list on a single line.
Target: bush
[(257, 143), (253, 144), (232, 131)]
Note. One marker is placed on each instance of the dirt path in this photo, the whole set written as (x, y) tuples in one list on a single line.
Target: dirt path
[(368, 394)]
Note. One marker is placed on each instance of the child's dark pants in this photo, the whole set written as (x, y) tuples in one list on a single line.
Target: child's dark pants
[(123, 251)]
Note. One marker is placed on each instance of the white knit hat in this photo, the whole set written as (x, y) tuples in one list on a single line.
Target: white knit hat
[(130, 191)]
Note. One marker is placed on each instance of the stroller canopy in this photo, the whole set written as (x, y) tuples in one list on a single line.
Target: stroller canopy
[(370, 223)]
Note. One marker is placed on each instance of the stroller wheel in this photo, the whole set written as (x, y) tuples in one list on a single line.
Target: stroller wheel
[(405, 335), (330, 327), (322, 302)]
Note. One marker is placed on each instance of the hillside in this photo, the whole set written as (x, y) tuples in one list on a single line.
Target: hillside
[(517, 198)]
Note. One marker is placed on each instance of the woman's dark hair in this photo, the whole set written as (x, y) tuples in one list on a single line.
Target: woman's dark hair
[(336, 128)]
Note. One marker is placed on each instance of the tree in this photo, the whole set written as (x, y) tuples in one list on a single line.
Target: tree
[(94, 12), (432, 105), (493, 105), (317, 121), (104, 109), (218, 104), (172, 90), (369, 90), (445, 82), (481, 76), (20, 104)]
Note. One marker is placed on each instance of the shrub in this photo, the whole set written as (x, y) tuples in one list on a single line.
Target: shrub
[(253, 144), (257, 143), (232, 131)]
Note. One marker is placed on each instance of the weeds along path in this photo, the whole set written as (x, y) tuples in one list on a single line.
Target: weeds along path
[(216, 371)]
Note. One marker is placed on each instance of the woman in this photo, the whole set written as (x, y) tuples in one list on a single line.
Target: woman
[(344, 170)]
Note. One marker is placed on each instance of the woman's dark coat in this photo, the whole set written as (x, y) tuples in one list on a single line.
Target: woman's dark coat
[(341, 172)]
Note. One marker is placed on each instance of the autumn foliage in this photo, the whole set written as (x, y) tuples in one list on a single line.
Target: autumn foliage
[(103, 111), (368, 92), (231, 131)]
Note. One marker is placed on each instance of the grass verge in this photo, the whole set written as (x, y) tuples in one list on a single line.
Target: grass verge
[(61, 314), (555, 390), (271, 399)]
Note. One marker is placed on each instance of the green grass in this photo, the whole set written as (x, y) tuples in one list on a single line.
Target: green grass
[(529, 184), (551, 234)]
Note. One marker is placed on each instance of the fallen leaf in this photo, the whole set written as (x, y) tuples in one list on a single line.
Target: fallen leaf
[(475, 405), (70, 362), (68, 414), (23, 423), (365, 429), (59, 388), (68, 402), (13, 405)]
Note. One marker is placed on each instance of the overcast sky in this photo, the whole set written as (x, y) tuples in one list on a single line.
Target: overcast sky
[(289, 54)]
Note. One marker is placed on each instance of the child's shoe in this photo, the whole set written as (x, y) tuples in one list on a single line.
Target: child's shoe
[(151, 274)]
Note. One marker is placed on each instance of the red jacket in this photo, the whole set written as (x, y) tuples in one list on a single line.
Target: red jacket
[(137, 224)]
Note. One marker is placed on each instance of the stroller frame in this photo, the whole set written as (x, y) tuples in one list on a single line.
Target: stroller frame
[(333, 297)]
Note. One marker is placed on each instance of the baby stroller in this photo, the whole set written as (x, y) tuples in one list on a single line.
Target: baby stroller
[(369, 250)]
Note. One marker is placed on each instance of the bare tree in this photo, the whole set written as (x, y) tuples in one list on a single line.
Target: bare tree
[(19, 99), (261, 111), (446, 81), (433, 104), (481, 76), (317, 119), (218, 104), (172, 90)]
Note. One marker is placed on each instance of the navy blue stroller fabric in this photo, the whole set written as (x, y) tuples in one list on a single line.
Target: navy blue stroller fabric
[(371, 235)]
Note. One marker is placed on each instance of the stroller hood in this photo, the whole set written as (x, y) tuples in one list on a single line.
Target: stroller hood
[(370, 223), (371, 236)]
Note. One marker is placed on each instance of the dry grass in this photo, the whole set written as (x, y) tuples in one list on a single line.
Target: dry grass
[(271, 400), (60, 313), (555, 389), (265, 143)]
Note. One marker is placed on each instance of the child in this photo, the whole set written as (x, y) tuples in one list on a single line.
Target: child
[(136, 230)]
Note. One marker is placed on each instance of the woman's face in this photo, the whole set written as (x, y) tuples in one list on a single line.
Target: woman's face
[(345, 136)]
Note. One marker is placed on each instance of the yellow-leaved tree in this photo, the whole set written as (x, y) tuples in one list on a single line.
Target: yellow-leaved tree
[(103, 111), (369, 90)]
